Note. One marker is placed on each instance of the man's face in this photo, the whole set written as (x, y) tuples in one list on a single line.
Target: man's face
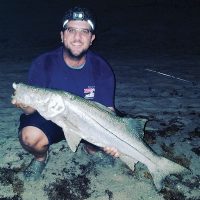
[(77, 38)]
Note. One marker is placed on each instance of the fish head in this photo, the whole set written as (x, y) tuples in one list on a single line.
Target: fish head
[(29, 95), (47, 102)]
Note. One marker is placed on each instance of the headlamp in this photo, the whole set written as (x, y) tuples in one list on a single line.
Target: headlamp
[(79, 14)]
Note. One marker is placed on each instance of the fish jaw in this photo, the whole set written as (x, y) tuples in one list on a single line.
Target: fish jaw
[(20, 96), (34, 97)]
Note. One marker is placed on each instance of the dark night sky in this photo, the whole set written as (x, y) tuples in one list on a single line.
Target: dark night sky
[(144, 27)]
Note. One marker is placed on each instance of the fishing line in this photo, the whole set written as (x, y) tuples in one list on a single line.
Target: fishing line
[(171, 76)]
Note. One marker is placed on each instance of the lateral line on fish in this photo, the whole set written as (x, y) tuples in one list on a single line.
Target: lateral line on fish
[(122, 140)]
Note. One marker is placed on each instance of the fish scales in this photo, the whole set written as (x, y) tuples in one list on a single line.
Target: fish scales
[(97, 124)]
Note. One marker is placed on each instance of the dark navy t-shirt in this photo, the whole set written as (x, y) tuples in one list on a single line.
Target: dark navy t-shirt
[(94, 81)]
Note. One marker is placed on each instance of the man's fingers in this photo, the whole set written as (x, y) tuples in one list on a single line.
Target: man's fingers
[(111, 151)]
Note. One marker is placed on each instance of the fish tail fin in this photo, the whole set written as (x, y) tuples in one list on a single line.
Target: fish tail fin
[(164, 168)]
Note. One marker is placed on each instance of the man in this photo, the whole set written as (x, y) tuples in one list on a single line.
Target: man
[(72, 68)]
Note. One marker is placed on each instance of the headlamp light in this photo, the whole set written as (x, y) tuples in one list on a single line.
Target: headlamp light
[(79, 14)]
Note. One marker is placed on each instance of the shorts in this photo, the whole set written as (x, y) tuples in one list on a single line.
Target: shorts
[(53, 132)]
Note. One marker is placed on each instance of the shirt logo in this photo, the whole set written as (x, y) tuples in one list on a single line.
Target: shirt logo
[(89, 92)]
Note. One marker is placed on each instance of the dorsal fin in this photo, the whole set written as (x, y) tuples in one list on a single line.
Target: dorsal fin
[(135, 125)]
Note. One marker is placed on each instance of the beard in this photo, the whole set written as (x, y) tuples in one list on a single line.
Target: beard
[(73, 56)]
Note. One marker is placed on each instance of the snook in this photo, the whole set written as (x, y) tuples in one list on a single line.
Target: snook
[(93, 122)]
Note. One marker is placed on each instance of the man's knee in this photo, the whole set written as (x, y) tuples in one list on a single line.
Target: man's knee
[(32, 137)]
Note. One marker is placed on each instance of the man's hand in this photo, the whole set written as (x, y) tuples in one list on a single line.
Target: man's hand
[(111, 151), (27, 109)]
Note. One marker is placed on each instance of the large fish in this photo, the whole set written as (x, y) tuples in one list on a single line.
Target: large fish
[(97, 124)]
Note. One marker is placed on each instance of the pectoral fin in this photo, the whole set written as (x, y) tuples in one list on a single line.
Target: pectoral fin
[(72, 135), (73, 139)]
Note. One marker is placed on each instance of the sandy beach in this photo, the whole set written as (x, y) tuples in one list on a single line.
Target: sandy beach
[(155, 57)]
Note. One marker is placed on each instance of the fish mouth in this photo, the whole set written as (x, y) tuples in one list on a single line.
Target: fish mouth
[(13, 97), (14, 85)]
